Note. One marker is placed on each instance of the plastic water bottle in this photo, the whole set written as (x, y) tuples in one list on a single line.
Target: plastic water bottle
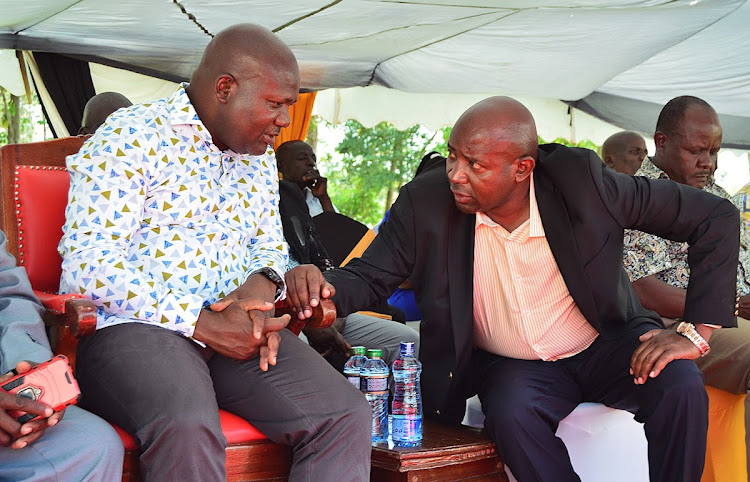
[(354, 365), (374, 380), (406, 409)]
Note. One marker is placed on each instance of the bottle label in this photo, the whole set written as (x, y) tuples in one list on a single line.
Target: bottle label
[(407, 429), (354, 380), (374, 384)]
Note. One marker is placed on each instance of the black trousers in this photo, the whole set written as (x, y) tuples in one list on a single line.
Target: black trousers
[(157, 385), (524, 401)]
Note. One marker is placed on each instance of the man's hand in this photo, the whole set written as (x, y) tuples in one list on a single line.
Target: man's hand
[(328, 341), (319, 187), (317, 183), (305, 285), (658, 348), (12, 433), (242, 329)]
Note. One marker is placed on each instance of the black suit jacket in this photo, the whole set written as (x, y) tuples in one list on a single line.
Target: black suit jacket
[(584, 208)]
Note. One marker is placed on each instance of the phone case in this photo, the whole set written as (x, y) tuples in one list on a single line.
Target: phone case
[(51, 382)]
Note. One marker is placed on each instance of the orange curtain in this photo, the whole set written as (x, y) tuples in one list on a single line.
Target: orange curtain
[(300, 114)]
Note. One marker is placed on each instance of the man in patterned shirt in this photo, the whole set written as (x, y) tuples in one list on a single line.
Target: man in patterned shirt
[(172, 228), (688, 138)]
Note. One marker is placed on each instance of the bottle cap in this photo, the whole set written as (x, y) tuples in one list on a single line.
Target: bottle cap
[(407, 348), (358, 350), (374, 353)]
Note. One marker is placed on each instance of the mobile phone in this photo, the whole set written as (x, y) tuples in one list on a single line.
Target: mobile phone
[(50, 382)]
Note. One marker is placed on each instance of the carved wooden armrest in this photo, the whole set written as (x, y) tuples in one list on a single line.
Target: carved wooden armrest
[(69, 317), (323, 316)]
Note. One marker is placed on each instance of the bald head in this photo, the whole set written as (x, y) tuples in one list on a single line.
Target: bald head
[(98, 108), (243, 87), (624, 152), (503, 120)]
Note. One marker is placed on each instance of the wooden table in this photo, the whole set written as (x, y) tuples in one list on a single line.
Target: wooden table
[(447, 453)]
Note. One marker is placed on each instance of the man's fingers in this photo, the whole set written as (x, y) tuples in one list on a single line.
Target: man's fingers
[(649, 334), (221, 304), (274, 341), (249, 304), (55, 418), (11, 402), (327, 290), (22, 442), (276, 324)]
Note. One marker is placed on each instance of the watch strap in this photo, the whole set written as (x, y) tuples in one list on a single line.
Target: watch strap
[(688, 331)]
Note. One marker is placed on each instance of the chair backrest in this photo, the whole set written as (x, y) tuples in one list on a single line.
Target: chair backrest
[(339, 234), (34, 185)]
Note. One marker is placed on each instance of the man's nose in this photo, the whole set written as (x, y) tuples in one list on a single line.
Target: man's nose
[(456, 175), (283, 119), (706, 160)]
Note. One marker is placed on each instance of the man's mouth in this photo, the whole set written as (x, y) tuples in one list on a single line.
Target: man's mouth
[(269, 138), (460, 197)]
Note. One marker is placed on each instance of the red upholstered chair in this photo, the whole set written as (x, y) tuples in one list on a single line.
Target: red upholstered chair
[(34, 188)]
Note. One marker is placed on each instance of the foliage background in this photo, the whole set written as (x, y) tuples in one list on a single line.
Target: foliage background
[(371, 164)]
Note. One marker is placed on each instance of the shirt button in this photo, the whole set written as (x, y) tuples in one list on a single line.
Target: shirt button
[(450, 375)]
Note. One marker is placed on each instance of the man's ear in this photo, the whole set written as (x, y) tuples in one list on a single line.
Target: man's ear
[(660, 140), (524, 167), (609, 162), (224, 85)]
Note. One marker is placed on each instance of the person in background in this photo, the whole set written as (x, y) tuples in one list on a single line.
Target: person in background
[(741, 199), (515, 253), (335, 342), (688, 138), (172, 229), (98, 108), (71, 444), (624, 152), (298, 164)]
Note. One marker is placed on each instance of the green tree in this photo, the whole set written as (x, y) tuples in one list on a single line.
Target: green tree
[(375, 162), (16, 118)]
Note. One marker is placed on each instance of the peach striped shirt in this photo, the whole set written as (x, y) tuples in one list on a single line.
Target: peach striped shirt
[(522, 307)]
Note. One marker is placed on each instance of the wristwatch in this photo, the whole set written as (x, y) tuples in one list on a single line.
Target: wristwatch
[(275, 278), (688, 331)]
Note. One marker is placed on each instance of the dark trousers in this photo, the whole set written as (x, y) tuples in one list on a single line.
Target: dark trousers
[(158, 386), (524, 401)]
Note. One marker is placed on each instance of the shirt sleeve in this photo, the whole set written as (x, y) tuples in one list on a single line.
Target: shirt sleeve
[(22, 335), (644, 255), (109, 180), (268, 248)]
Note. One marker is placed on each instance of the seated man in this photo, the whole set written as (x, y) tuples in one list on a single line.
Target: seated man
[(355, 329), (172, 229), (688, 139), (98, 108), (515, 252), (624, 152), (297, 164), (80, 446)]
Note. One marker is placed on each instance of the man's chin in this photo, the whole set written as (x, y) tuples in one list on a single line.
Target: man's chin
[(466, 209)]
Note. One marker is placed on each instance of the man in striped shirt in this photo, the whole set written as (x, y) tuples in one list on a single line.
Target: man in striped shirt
[(515, 252)]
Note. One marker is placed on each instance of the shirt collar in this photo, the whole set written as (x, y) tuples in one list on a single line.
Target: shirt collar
[(182, 112), (533, 225)]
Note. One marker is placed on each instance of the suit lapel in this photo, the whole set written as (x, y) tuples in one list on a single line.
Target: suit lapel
[(562, 243), (461, 277)]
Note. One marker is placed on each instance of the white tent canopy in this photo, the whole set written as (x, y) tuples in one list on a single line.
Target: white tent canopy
[(619, 60)]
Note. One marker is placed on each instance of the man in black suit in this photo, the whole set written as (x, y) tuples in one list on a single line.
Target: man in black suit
[(537, 331)]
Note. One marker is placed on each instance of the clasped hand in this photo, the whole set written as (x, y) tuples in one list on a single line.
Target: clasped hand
[(242, 328), (17, 435), (658, 348)]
